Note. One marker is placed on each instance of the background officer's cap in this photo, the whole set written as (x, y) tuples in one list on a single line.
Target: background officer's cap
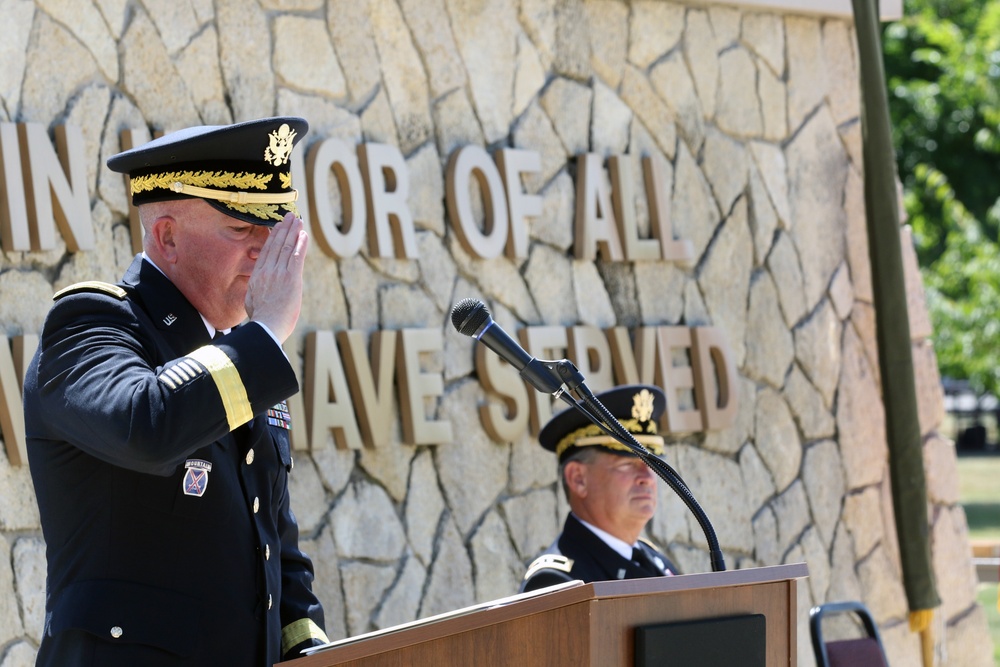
[(638, 407), (244, 170)]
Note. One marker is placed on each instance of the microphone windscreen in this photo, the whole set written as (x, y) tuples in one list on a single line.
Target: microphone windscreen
[(469, 315)]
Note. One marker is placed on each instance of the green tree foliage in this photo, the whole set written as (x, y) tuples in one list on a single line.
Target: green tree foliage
[(942, 65)]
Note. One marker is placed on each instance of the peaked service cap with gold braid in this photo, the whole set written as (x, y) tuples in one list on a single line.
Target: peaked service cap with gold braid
[(244, 170), (638, 407)]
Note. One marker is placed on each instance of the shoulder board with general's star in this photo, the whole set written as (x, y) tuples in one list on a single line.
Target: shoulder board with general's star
[(549, 562), (91, 286)]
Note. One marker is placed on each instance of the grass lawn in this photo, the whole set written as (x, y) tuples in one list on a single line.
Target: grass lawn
[(987, 596), (979, 493)]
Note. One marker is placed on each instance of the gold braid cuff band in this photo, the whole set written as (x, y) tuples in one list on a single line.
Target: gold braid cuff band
[(228, 382), (299, 631), (593, 435)]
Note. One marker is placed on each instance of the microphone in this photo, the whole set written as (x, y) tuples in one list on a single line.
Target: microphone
[(472, 318)]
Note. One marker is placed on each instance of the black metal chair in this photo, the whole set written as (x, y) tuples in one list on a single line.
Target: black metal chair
[(865, 651)]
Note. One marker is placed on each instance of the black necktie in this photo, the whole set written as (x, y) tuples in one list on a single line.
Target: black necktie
[(645, 562)]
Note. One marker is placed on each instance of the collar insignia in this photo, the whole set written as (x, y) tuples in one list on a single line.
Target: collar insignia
[(169, 319)]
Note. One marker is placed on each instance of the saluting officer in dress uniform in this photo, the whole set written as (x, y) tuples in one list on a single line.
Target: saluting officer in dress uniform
[(612, 494), (157, 429)]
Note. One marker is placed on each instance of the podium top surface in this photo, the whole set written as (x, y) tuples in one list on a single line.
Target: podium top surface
[(756, 575), (540, 601)]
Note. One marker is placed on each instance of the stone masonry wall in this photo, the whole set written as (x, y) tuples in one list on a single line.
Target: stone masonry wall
[(756, 114)]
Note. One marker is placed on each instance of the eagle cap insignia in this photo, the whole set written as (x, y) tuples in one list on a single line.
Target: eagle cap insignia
[(642, 406), (280, 144)]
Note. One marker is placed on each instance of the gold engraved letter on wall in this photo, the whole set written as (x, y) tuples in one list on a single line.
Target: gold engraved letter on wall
[(12, 367), (299, 433), (488, 242), (716, 386), (58, 194), (644, 347), (14, 234), (504, 420), (129, 139), (547, 342), (328, 400), (590, 352), (371, 381), (418, 388), (677, 380), (390, 223), (334, 158), (521, 206), (655, 171), (623, 198), (623, 356), (595, 229)]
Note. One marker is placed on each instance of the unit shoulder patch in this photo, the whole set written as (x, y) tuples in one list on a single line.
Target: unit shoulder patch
[(91, 286), (549, 562)]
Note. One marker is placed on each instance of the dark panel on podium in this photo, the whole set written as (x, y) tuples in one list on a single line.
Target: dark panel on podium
[(735, 641)]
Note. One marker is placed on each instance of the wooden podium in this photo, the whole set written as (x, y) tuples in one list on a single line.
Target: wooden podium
[(581, 624)]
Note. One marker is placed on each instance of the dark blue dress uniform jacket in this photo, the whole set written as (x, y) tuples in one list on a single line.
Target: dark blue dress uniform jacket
[(127, 402), (580, 554)]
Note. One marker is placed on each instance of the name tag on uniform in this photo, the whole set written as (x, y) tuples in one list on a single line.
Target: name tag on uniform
[(196, 477)]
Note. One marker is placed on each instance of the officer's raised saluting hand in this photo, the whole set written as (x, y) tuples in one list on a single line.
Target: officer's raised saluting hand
[(274, 293)]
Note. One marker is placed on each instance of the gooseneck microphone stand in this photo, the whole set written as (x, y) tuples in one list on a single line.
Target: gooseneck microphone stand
[(588, 404), (562, 379)]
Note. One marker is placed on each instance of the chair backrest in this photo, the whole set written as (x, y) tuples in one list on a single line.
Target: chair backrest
[(864, 651), (861, 652)]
